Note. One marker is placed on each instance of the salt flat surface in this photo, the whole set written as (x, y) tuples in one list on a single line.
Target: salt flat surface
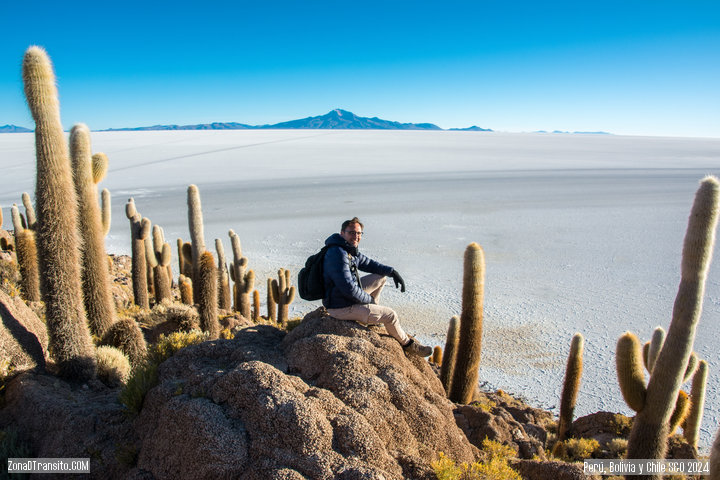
[(582, 233)]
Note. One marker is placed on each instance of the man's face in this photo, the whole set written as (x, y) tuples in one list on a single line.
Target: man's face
[(352, 234)]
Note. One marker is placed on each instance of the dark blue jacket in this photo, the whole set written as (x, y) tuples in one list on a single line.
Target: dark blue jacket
[(341, 263)]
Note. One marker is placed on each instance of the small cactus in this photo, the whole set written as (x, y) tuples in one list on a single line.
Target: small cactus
[(139, 231), (691, 430), (224, 301), (467, 362), (244, 279), (106, 215), (451, 342), (571, 385), (126, 336), (186, 290), (256, 306), (159, 254), (207, 299), (57, 234), (271, 305), (437, 355), (630, 373), (26, 252), (283, 295), (29, 211)]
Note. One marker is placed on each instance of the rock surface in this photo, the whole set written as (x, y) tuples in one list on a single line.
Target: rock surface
[(331, 399), (23, 336)]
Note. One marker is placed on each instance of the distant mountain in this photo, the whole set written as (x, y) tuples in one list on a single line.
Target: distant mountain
[(471, 129), (13, 129), (336, 119), (347, 120)]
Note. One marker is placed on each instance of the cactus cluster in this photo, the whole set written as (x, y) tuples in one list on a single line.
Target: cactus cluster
[(27, 259), (283, 294), (159, 254), (244, 279), (139, 231)]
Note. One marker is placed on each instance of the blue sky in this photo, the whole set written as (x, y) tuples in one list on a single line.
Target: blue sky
[(626, 67)]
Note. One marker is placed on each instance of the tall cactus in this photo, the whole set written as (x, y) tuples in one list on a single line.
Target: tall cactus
[(26, 252), (57, 233), (571, 385), (447, 368), (139, 231), (99, 303), (650, 427), (271, 305), (224, 301), (207, 298), (283, 295), (197, 232), (467, 362), (29, 211), (244, 279), (691, 430)]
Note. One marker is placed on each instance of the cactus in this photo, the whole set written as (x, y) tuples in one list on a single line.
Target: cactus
[(139, 230), (244, 279), (26, 252), (571, 385), (29, 211), (186, 290), (159, 254), (680, 412), (467, 362), (224, 301), (57, 232), (187, 267), (197, 234), (437, 355), (271, 305), (256, 306), (691, 430), (283, 295), (630, 373), (650, 428), (207, 299), (126, 336), (654, 347), (99, 303), (451, 342), (105, 214), (715, 458)]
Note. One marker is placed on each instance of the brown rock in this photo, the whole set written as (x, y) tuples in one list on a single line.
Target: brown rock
[(23, 336), (551, 470)]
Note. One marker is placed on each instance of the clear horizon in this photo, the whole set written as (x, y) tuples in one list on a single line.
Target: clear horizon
[(639, 68)]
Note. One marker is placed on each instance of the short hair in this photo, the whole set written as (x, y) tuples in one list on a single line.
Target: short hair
[(347, 223)]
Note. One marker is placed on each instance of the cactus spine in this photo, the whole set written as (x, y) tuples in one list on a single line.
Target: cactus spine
[(467, 362), (571, 385), (271, 305), (691, 430), (26, 252), (207, 299), (139, 230), (244, 279), (224, 301), (451, 343), (283, 295), (649, 431), (57, 233), (99, 303), (29, 211)]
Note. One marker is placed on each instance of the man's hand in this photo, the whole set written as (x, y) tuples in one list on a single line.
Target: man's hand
[(398, 281)]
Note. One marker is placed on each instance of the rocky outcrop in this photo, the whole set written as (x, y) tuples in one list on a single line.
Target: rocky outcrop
[(331, 399), (23, 336)]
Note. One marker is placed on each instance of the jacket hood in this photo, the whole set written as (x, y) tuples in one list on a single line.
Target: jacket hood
[(336, 240)]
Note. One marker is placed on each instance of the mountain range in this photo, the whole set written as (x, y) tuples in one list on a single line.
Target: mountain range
[(335, 119)]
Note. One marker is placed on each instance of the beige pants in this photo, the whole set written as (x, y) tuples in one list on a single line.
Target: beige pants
[(373, 314)]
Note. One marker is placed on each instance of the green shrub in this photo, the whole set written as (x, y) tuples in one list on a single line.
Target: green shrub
[(576, 449), (495, 468)]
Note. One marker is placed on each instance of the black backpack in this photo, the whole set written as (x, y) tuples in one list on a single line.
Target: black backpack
[(311, 284)]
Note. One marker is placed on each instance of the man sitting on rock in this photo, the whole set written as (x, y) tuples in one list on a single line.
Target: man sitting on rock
[(349, 297)]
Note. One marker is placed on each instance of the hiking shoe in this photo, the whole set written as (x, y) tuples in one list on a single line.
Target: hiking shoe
[(417, 348)]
